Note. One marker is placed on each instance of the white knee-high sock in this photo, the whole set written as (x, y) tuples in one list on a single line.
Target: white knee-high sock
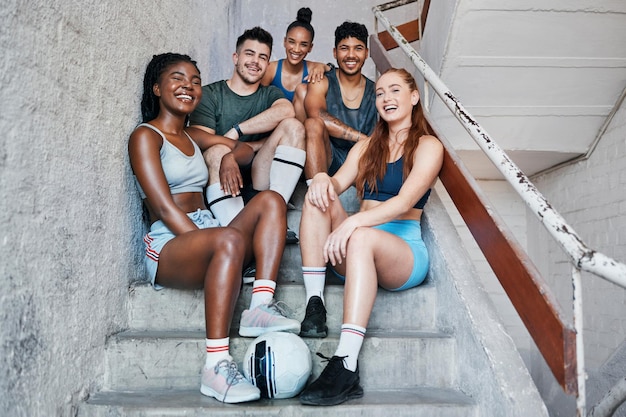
[(223, 206), (286, 169), (350, 343), (216, 350), (262, 292), (314, 281)]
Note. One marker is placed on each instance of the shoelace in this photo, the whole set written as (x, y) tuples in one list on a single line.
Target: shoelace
[(331, 359), (233, 376), (315, 308), (279, 307)]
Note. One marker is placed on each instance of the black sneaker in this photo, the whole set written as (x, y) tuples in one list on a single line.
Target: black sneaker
[(249, 274), (334, 386), (292, 238), (314, 323)]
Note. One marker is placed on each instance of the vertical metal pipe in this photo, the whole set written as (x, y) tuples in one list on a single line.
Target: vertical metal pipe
[(581, 399)]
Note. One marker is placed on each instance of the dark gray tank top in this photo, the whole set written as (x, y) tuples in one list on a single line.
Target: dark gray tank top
[(362, 119)]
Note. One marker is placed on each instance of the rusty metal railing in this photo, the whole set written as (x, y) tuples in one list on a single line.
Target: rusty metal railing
[(582, 257)]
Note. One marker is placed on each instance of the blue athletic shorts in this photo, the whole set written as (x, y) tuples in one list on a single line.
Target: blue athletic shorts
[(411, 232), (159, 235)]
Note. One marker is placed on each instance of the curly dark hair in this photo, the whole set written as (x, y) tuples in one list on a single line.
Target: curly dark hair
[(351, 30), (303, 21), (154, 70), (256, 34)]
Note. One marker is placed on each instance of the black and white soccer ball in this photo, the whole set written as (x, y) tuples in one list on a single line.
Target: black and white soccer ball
[(278, 363)]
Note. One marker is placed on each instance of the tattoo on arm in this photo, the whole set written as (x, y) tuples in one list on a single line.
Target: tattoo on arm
[(347, 132)]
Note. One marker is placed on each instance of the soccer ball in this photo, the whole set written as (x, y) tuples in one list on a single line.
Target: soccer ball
[(278, 363)]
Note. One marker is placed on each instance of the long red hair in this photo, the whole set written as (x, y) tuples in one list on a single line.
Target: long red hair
[(373, 160)]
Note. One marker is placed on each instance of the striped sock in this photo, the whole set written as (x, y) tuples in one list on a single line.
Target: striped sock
[(216, 350), (350, 343), (262, 292), (314, 280)]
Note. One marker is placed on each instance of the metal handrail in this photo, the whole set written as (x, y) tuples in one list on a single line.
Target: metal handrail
[(582, 257)]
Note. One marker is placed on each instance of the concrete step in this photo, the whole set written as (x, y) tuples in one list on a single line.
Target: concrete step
[(170, 309), (418, 402), (173, 360)]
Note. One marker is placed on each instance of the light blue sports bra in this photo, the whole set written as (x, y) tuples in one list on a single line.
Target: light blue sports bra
[(184, 174)]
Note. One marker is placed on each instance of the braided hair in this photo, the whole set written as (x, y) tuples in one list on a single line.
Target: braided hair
[(303, 20), (156, 68)]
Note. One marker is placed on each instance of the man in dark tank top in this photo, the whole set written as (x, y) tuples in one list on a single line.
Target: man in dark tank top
[(341, 108)]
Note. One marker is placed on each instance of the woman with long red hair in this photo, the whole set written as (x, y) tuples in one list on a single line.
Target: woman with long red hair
[(381, 245)]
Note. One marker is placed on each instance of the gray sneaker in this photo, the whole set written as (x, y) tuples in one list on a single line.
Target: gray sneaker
[(225, 383), (266, 318)]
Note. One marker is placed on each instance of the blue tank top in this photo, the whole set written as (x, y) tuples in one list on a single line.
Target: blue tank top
[(278, 82), (362, 119), (184, 174), (391, 184)]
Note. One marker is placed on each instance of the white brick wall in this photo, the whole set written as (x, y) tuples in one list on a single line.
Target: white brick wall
[(591, 196)]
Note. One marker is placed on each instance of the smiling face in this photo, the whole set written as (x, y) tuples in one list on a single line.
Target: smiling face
[(395, 98), (298, 44), (251, 61), (179, 87), (350, 54)]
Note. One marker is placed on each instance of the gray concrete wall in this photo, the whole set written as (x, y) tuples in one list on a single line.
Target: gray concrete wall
[(276, 15), (70, 220)]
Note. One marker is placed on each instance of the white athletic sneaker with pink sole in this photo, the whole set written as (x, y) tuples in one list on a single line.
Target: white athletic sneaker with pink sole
[(267, 318), (225, 383)]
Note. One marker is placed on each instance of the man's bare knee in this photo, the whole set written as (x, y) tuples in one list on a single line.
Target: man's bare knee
[(291, 133)]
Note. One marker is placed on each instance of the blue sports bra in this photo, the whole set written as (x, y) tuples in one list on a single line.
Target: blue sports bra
[(390, 185), (184, 174), (278, 82)]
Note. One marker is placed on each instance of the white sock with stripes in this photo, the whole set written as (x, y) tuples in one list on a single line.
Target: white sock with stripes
[(286, 169), (314, 281), (262, 292), (216, 350), (350, 343), (223, 206)]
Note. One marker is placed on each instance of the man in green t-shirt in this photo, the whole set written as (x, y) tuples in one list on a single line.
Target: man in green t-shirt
[(240, 108)]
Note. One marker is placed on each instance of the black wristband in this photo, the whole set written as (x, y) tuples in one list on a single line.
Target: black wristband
[(238, 130)]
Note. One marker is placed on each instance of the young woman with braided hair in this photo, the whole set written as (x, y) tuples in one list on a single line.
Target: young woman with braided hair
[(185, 247)]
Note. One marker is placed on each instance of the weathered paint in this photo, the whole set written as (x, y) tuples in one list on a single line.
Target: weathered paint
[(581, 256)]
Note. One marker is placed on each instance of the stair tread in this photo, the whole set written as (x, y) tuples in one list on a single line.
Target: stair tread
[(199, 334), (187, 399)]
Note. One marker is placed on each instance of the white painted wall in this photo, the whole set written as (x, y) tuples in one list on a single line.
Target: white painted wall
[(70, 223)]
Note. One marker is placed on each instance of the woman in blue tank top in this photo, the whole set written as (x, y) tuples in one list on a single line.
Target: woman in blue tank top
[(292, 71), (381, 245), (186, 248)]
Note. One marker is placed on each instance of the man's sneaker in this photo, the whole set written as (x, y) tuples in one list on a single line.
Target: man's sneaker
[(267, 318), (292, 238), (335, 384), (314, 323), (225, 383), (249, 274)]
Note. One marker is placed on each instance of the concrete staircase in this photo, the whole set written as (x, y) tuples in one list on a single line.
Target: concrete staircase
[(415, 360)]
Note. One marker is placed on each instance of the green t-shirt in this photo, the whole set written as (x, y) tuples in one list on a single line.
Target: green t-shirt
[(220, 108)]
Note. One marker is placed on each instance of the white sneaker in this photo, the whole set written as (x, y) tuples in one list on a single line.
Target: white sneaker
[(225, 383), (267, 318)]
